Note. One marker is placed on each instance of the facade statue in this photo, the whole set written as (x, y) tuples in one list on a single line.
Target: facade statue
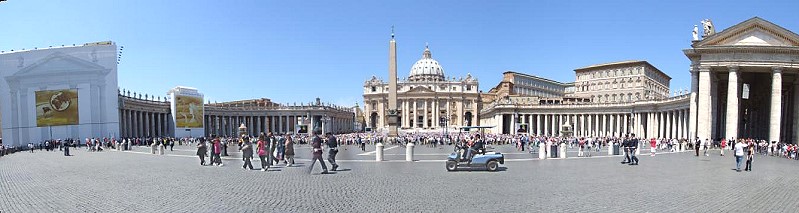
[(707, 25), (696, 33)]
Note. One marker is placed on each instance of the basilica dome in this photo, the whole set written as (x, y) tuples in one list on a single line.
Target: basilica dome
[(427, 68)]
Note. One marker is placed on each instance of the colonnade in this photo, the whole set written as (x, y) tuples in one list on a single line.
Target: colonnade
[(137, 123), (225, 125), (655, 124)]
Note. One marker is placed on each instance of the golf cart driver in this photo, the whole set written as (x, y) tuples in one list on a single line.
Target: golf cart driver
[(477, 147)]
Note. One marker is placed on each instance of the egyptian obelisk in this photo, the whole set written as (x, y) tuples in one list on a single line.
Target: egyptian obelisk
[(392, 87)]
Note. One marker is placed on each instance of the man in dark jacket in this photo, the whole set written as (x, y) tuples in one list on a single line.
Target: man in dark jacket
[(476, 147), (625, 147), (316, 144), (202, 150), (633, 146), (332, 145)]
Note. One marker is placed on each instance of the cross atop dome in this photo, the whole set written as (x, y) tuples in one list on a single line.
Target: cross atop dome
[(427, 53)]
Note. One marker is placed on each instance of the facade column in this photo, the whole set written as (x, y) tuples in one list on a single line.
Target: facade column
[(615, 119), (624, 128), (556, 122), (606, 125), (669, 125), (424, 114), (776, 104), (537, 124), (703, 120), (694, 102), (796, 111), (415, 114), (590, 126), (546, 124), (287, 122)]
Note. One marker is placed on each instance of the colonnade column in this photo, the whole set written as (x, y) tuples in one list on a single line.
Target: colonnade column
[(703, 111), (796, 111), (538, 124), (776, 104), (732, 103)]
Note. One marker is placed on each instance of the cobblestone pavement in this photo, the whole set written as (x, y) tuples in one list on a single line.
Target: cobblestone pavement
[(113, 181)]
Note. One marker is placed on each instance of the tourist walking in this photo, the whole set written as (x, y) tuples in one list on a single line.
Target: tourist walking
[(217, 151), (739, 155), (363, 143), (316, 145), (262, 149), (588, 145), (633, 146), (723, 145), (281, 148), (653, 146), (246, 153), (697, 143), (289, 154), (272, 146), (202, 149), (332, 145), (750, 154), (625, 145), (66, 148)]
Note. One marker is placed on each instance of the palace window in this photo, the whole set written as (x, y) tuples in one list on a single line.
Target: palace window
[(374, 89)]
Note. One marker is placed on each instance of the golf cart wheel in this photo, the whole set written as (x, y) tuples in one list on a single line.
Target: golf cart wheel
[(452, 165), (492, 166)]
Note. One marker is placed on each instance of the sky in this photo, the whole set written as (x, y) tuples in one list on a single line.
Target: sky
[(296, 51)]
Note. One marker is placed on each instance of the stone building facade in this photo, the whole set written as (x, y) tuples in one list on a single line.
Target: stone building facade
[(590, 106), (625, 81), (424, 99), (152, 118)]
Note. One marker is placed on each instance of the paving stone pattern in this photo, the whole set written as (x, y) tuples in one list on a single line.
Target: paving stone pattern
[(135, 181)]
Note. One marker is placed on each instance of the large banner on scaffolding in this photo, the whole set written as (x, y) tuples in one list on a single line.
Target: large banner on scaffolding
[(57, 107)]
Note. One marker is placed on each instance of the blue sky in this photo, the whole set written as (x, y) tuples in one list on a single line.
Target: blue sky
[(295, 51)]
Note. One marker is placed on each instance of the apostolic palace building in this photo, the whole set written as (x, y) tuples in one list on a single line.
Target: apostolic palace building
[(756, 59), (744, 84)]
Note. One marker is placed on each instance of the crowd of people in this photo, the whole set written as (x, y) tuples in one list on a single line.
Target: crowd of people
[(273, 149)]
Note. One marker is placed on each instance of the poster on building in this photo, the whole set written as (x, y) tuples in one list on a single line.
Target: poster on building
[(56, 107), (189, 111)]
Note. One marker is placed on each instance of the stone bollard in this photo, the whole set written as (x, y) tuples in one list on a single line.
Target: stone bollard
[(542, 152), (161, 149), (610, 149), (379, 152), (409, 152), (562, 150)]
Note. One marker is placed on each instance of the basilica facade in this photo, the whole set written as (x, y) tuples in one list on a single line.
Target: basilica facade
[(426, 99)]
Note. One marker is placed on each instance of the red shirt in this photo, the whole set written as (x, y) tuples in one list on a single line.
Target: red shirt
[(653, 143)]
